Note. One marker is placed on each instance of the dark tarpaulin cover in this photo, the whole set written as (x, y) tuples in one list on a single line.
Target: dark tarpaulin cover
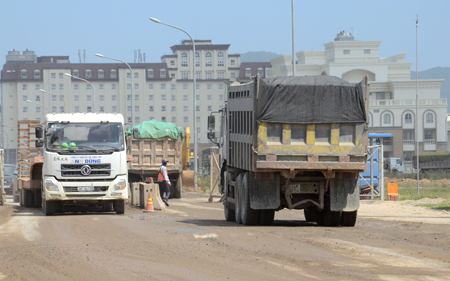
[(310, 99)]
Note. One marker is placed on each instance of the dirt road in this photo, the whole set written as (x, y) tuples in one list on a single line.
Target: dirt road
[(191, 241)]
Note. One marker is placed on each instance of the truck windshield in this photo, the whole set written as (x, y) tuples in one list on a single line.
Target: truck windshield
[(87, 137)]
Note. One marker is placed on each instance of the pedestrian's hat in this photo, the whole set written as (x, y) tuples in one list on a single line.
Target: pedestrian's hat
[(165, 161)]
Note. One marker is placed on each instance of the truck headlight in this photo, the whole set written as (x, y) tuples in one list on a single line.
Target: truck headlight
[(50, 186), (120, 185)]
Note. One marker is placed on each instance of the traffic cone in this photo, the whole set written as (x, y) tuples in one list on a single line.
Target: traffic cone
[(149, 203)]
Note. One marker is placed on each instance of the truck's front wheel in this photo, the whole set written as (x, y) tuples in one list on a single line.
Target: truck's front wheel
[(119, 206), (48, 207), (348, 218)]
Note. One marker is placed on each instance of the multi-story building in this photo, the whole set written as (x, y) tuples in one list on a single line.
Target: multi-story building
[(161, 91), (392, 92)]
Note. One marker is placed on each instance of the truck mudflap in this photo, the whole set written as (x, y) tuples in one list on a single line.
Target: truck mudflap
[(264, 189), (344, 194)]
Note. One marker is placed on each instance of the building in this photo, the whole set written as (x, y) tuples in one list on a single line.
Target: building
[(392, 98), (161, 91)]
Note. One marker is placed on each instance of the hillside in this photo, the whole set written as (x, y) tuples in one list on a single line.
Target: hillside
[(437, 73)]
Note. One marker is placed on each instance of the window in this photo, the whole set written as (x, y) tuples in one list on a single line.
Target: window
[(61, 109), (197, 97), (102, 97), (429, 134), (61, 86), (174, 120), (88, 74), (197, 59), (89, 98), (163, 97), (162, 73), (208, 75), (89, 109), (248, 72), (209, 107), (137, 120), (429, 118), (53, 86), (61, 97), (76, 73), (129, 86), (53, 108), (387, 119), (136, 108), (60, 75), (128, 74), (114, 108), (172, 86), (100, 86), (23, 74), (220, 75), (197, 108), (208, 60), (184, 75), (172, 75), (380, 95), (136, 97), (185, 108), (220, 59), (198, 131), (209, 97), (197, 86), (163, 86), (53, 97), (136, 74), (102, 109), (150, 97), (37, 86), (184, 86), (208, 86), (53, 75), (38, 98), (129, 108), (346, 52), (185, 97), (198, 75), (408, 118), (220, 86), (113, 86), (38, 109), (37, 74), (163, 119), (172, 97), (75, 86), (150, 73), (233, 75), (172, 63), (113, 74), (24, 98), (113, 97), (88, 86), (128, 97), (136, 86), (185, 119), (232, 62), (76, 97), (220, 97), (150, 108), (150, 86), (260, 72), (101, 74), (367, 52), (197, 119), (24, 86), (129, 119), (163, 108), (174, 108), (184, 59)]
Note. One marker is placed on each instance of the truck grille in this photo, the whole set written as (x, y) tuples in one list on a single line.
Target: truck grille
[(96, 170), (96, 189)]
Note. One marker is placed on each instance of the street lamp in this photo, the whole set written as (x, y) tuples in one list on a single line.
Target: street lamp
[(417, 114), (48, 111), (67, 74), (132, 85), (61, 96), (195, 102)]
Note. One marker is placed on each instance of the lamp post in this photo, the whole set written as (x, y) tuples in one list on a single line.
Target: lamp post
[(293, 40), (48, 111), (195, 102), (61, 96), (417, 113), (132, 85), (70, 75)]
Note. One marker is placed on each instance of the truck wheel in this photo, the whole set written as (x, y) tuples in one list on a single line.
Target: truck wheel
[(237, 199), (331, 218), (228, 212), (119, 206), (266, 217), (248, 215), (28, 198), (177, 188), (319, 217), (348, 218), (49, 207), (107, 206), (310, 215)]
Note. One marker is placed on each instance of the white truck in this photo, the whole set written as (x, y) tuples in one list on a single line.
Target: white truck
[(84, 162)]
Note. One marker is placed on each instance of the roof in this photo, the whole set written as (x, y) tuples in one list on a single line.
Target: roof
[(380, 135)]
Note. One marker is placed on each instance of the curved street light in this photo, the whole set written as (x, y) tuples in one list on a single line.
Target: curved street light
[(61, 96), (48, 111), (132, 85), (70, 75), (195, 102)]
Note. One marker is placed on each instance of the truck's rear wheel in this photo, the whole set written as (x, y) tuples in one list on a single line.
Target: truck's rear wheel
[(119, 206), (331, 218), (310, 215), (28, 198), (248, 215), (237, 199), (48, 207), (348, 218), (266, 217)]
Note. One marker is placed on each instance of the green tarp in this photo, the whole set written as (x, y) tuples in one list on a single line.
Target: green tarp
[(155, 129)]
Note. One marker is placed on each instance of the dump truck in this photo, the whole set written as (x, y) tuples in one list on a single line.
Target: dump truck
[(150, 142), (295, 143), (438, 161), (83, 163)]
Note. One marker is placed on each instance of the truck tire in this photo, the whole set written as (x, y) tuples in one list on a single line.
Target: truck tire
[(266, 217), (248, 215), (48, 207), (237, 199), (107, 206), (331, 218), (310, 215), (228, 212), (28, 198), (177, 186), (348, 218), (119, 206)]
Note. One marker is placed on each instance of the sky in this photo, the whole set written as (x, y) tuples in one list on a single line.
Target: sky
[(115, 28)]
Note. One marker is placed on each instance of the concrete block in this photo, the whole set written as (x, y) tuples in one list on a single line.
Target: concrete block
[(153, 188), (134, 193)]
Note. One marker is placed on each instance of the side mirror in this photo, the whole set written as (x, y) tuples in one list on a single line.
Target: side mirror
[(211, 135), (211, 122), (135, 133), (39, 143), (39, 132)]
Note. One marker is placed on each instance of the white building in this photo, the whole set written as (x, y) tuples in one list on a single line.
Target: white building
[(392, 92), (161, 91)]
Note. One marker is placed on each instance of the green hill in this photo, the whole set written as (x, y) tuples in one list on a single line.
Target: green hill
[(437, 73)]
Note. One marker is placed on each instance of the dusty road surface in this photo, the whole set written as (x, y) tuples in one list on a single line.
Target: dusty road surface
[(191, 241)]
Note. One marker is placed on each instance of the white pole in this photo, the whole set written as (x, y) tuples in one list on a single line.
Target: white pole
[(417, 113), (381, 179), (293, 40)]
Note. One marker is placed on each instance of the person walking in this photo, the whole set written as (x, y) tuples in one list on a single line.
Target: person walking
[(164, 182)]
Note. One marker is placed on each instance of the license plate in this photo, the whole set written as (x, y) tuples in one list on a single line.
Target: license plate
[(85, 188)]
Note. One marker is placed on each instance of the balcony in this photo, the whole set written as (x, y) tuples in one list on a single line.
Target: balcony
[(408, 145), (429, 144), (407, 102)]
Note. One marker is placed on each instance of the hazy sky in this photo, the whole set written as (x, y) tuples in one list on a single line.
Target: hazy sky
[(116, 28)]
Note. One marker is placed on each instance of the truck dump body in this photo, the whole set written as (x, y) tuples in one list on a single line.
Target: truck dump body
[(302, 123)]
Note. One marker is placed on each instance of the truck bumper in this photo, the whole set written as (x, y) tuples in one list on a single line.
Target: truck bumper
[(116, 189)]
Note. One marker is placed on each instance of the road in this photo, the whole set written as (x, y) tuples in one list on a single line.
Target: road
[(191, 241)]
